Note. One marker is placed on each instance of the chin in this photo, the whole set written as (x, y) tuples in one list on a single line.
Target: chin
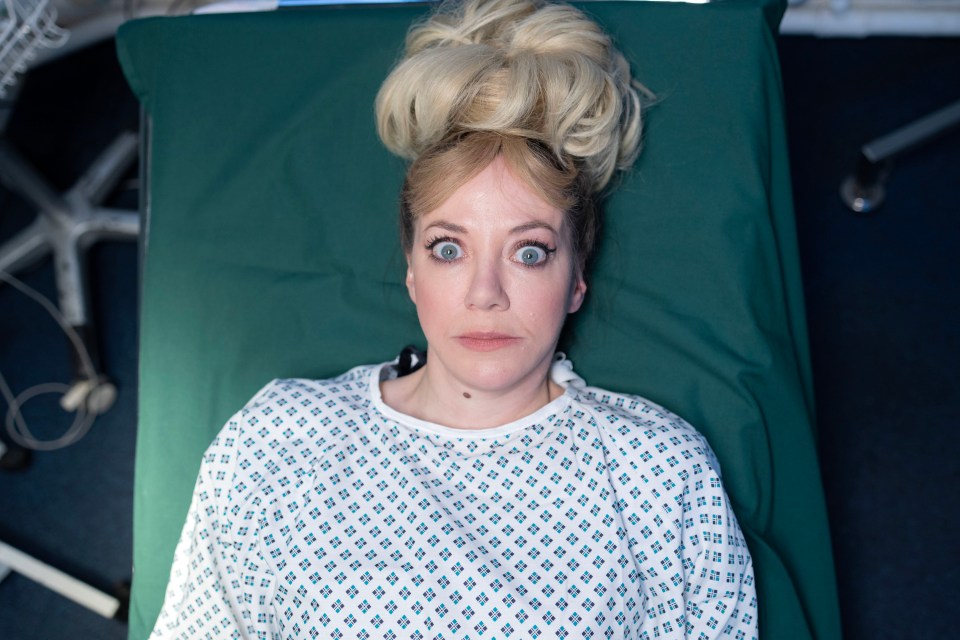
[(491, 373)]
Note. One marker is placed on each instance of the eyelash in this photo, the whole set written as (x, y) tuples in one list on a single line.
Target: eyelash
[(433, 242), (431, 245), (539, 245)]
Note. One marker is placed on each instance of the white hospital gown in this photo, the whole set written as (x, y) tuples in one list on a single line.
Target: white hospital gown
[(320, 512)]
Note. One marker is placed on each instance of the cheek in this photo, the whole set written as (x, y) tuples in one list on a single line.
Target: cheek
[(543, 303), (433, 297), (428, 303)]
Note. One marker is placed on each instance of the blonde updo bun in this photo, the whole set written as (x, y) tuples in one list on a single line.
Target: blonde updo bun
[(517, 68)]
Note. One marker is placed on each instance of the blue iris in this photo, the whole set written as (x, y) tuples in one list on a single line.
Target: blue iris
[(447, 251), (531, 255)]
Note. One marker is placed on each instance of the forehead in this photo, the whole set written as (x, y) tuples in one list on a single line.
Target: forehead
[(494, 198)]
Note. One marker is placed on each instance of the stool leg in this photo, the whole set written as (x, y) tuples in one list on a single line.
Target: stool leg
[(102, 176), (21, 178), (26, 248)]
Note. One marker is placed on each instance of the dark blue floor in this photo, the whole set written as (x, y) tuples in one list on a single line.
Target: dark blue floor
[(73, 507), (883, 295)]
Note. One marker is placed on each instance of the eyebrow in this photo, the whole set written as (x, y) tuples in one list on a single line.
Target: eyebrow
[(526, 226), (533, 224), (449, 226)]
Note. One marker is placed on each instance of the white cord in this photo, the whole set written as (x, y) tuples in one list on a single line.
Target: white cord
[(16, 425)]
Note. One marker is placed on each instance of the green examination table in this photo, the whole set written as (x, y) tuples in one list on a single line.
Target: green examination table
[(270, 250)]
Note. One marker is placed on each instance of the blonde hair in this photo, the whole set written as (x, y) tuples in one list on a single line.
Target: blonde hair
[(516, 67), (539, 83)]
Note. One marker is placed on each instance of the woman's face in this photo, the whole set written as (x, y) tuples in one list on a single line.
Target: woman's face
[(493, 277)]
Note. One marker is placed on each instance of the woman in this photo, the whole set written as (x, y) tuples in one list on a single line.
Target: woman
[(488, 491)]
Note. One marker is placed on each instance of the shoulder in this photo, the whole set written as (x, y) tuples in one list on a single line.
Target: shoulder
[(281, 431), (288, 408), (281, 392), (285, 398), (645, 436)]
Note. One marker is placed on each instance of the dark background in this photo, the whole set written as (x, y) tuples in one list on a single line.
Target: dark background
[(883, 301)]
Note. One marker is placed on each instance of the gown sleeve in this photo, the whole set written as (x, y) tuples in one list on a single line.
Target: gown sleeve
[(220, 584), (698, 573), (695, 573), (720, 598)]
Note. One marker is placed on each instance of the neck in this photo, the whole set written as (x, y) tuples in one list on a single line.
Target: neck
[(432, 395)]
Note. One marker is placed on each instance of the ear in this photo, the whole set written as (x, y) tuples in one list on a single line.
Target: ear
[(578, 292), (411, 284)]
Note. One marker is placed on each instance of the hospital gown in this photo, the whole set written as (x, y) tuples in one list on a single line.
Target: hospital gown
[(320, 512)]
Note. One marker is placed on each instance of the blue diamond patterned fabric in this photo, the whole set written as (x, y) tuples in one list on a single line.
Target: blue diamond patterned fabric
[(320, 512)]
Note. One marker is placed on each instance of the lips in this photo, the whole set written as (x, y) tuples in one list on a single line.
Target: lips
[(486, 340)]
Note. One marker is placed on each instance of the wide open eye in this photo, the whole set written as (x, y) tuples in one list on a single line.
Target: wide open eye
[(530, 255), (447, 251)]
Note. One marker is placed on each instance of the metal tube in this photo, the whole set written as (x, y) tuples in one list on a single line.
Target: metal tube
[(912, 134), (56, 580)]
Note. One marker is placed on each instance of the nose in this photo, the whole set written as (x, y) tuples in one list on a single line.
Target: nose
[(486, 290)]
